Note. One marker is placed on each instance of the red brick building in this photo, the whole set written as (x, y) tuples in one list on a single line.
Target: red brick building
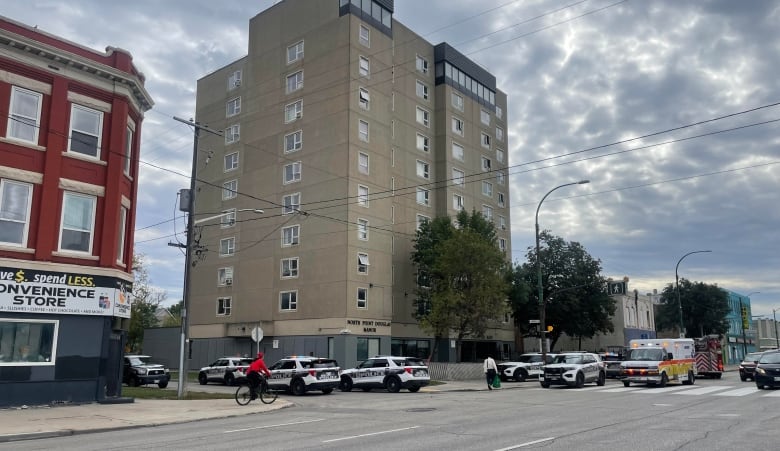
[(70, 126)]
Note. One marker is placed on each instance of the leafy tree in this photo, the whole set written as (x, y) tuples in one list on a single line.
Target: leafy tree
[(574, 290), (463, 285), (523, 307), (704, 306), (145, 301), (173, 319)]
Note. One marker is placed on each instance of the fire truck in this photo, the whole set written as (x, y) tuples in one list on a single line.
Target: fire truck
[(709, 356)]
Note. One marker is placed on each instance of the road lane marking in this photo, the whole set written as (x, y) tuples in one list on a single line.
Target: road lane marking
[(368, 435), (739, 392), (706, 390), (522, 445), (621, 389), (274, 425), (661, 391)]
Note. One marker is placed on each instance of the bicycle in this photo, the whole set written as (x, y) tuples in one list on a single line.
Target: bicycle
[(245, 393)]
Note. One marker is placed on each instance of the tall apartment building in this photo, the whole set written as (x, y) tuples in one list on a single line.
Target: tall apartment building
[(348, 130), (69, 144)]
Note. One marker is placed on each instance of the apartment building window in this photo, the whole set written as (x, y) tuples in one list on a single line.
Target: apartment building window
[(292, 203), (128, 159), (364, 67), (224, 306), (501, 202), (502, 244), (229, 189), (362, 229), (288, 301), (294, 81), (457, 126), (293, 141), (421, 64), (120, 245), (295, 52), (86, 131), (502, 222), (77, 225), (457, 202), (15, 201), (486, 164), (422, 90), (233, 107), (234, 80), (364, 98), (231, 161), (499, 133), (232, 134), (362, 196), (458, 152), (423, 169), (499, 112), (423, 196), (485, 140), (457, 101), (364, 36), (292, 172), (423, 143), (362, 263), (500, 155), (363, 162), (363, 130), (487, 212), (500, 177), (487, 189), (484, 116), (228, 219), (458, 177), (227, 247), (362, 297), (291, 235), (289, 268), (225, 276), (293, 111), (423, 117), (24, 116), (422, 219)]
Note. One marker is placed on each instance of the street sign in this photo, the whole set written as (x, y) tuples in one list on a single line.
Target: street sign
[(533, 321), (257, 334)]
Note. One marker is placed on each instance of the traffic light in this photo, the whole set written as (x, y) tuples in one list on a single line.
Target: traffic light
[(549, 328)]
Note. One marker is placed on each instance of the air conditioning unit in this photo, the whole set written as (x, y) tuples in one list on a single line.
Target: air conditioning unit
[(237, 83), (298, 115), (503, 227), (229, 281)]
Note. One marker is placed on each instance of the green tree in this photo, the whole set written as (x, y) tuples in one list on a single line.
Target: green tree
[(522, 305), (173, 318), (704, 307), (574, 290), (145, 301), (462, 285)]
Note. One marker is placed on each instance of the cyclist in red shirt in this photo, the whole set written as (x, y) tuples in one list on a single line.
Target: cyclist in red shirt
[(254, 371)]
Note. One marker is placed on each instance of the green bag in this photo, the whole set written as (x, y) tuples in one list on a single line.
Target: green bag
[(496, 382)]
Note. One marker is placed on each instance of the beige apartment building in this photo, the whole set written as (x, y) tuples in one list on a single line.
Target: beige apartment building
[(348, 130)]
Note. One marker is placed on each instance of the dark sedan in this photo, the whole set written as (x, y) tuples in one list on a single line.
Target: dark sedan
[(748, 366), (767, 372)]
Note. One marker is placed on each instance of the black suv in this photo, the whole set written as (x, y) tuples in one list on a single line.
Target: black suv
[(139, 370)]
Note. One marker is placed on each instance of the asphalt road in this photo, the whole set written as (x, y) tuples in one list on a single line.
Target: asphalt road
[(712, 415)]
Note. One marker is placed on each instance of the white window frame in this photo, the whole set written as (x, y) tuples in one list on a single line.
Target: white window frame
[(291, 203), (502, 244), (289, 265), (501, 199), (423, 143), (231, 161), (458, 177), (500, 155), (291, 299), (362, 197), (502, 222), (233, 107), (122, 235), (422, 90), (234, 80), (362, 298), (294, 52), (293, 111), (460, 154), (223, 274), (294, 81), (69, 195), (293, 142), (485, 140), (32, 330), (423, 196), (364, 35), (487, 212), (291, 235), (499, 112), (423, 169), (500, 134), (77, 109), (457, 126), (224, 306), (363, 130), (291, 172), (458, 202), (364, 98), (128, 157), (487, 189), (364, 66), (421, 64), (484, 116), (486, 164), (228, 218), (362, 229), (6, 216), (500, 177), (227, 247), (364, 162), (233, 134), (230, 189), (20, 121), (457, 101), (423, 117), (362, 263)]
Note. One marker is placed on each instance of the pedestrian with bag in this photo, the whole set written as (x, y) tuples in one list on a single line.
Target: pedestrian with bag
[(490, 368)]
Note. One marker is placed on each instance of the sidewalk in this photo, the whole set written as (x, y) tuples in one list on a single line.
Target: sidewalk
[(45, 422)]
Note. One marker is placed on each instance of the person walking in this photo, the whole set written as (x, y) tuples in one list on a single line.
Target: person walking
[(490, 368)]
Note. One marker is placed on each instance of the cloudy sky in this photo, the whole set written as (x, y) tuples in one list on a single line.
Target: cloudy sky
[(667, 106)]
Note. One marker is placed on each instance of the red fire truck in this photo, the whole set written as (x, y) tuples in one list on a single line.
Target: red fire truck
[(709, 356)]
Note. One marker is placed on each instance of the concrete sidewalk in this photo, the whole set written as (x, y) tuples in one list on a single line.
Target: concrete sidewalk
[(45, 421)]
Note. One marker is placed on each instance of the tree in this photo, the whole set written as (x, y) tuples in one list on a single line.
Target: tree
[(573, 288), (522, 306), (145, 301), (462, 285), (704, 306), (173, 318)]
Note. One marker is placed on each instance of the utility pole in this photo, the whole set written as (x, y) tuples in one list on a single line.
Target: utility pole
[(183, 366)]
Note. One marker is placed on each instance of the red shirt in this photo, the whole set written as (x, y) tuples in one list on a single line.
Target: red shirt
[(259, 366)]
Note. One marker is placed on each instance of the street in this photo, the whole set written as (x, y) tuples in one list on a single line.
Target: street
[(713, 414)]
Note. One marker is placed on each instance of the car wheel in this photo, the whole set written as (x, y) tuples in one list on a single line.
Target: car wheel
[(327, 391), (743, 378), (691, 378), (393, 385), (414, 389), (664, 380), (163, 384), (520, 375), (579, 380), (135, 382), (230, 379), (202, 379), (626, 383), (298, 387), (601, 380), (345, 384), (544, 384), (718, 376), (759, 386)]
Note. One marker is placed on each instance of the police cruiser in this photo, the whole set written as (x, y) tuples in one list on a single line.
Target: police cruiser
[(298, 375), (388, 372)]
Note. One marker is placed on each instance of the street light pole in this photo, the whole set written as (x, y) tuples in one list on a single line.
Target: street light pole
[(677, 288), (777, 339), (542, 307)]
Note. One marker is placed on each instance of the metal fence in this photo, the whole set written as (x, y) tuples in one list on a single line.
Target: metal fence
[(446, 371)]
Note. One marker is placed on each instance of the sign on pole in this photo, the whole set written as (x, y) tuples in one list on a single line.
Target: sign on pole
[(257, 336)]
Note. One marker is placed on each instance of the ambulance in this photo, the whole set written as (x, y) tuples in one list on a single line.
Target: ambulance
[(658, 361)]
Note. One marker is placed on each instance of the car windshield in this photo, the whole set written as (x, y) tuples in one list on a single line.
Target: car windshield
[(245, 362), (138, 360), (568, 359), (409, 362), (530, 358), (772, 357), (611, 358), (752, 357), (650, 355), (321, 363)]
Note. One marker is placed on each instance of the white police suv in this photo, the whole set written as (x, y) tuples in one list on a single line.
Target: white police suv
[(574, 369), (389, 372), (527, 365), (227, 370), (298, 375)]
